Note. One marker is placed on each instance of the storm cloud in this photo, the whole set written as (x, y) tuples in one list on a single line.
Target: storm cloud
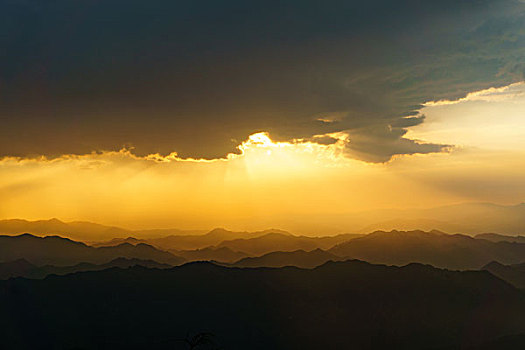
[(198, 77)]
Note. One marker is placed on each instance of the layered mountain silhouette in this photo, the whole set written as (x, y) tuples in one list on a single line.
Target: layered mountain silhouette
[(339, 305), (23, 268), (495, 237), (392, 248), (54, 250), (278, 242), (212, 238), (118, 241), (222, 254), (191, 242), (82, 230), (434, 248), (467, 218), (514, 274), (298, 258), (229, 246)]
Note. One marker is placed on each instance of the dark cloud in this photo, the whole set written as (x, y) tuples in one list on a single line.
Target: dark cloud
[(379, 143), (197, 77)]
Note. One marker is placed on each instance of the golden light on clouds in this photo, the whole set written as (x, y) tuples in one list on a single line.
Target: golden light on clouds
[(492, 119), (300, 185)]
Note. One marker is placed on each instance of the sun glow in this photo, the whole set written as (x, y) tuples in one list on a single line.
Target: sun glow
[(300, 185)]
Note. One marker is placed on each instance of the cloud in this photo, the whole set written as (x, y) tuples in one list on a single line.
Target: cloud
[(379, 145), (197, 78)]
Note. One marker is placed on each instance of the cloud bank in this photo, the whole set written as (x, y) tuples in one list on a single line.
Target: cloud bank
[(197, 78)]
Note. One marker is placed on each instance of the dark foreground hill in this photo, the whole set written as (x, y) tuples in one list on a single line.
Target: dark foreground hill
[(434, 248), (339, 305), (54, 250)]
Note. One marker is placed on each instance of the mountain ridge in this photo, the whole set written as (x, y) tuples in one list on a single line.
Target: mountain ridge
[(334, 306), (438, 249), (55, 250)]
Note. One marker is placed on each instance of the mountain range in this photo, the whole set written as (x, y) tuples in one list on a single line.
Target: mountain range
[(23, 268), (495, 237), (276, 249), (276, 241), (228, 246), (466, 218), (339, 305), (58, 251), (82, 230), (222, 254), (514, 274), (298, 258), (435, 248)]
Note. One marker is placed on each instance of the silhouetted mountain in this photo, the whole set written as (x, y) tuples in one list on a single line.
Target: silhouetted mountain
[(404, 224), (343, 305), (495, 237), (205, 245), (222, 254), (17, 268), (278, 242), (22, 268), (435, 248), (514, 274), (54, 250), (81, 230), (298, 258), (212, 238), (210, 253), (117, 241)]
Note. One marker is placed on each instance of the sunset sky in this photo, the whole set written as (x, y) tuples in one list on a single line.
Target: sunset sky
[(258, 114)]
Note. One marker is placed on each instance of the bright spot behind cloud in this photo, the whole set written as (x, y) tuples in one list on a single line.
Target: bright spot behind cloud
[(301, 185)]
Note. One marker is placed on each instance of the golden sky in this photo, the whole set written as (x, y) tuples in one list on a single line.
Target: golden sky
[(300, 186)]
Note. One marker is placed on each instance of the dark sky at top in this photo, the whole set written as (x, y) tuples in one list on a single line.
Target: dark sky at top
[(198, 77)]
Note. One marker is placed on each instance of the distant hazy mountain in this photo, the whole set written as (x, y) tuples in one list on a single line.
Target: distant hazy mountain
[(212, 238), (298, 258), (468, 218), (514, 274), (405, 224), (228, 246), (23, 268), (190, 241), (278, 242), (54, 250), (343, 305), (209, 253), (435, 248), (250, 243), (222, 254), (494, 237), (80, 230), (117, 241)]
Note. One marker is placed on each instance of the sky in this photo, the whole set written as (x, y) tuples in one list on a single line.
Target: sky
[(251, 115)]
